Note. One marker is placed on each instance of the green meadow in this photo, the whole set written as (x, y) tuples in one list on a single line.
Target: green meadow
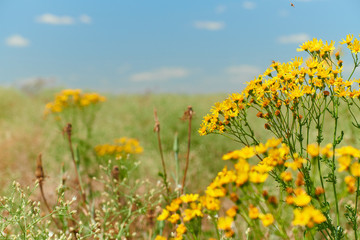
[(25, 133)]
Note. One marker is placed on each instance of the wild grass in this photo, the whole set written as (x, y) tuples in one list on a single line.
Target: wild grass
[(25, 133)]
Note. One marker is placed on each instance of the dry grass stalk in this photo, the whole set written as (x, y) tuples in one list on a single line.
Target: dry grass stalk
[(188, 114), (40, 176), (157, 130), (68, 131)]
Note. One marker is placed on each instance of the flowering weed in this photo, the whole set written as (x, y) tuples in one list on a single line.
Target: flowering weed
[(299, 102)]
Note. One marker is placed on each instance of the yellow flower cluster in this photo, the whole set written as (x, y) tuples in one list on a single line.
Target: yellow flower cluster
[(121, 148), (70, 98), (273, 154), (308, 216), (346, 156), (353, 45), (294, 99), (284, 86), (182, 210)]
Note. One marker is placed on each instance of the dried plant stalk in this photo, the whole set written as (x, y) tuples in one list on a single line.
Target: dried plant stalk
[(188, 114), (40, 176), (68, 131), (157, 130)]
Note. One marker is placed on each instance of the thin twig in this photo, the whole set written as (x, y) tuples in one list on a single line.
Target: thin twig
[(68, 131), (188, 114), (157, 130), (40, 176)]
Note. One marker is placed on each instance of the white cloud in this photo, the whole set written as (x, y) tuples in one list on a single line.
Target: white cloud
[(242, 73), (209, 25), (294, 38), (49, 18), (85, 19), (220, 9), (17, 41), (161, 74), (249, 5)]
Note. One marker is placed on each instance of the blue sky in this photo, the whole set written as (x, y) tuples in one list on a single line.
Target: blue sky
[(187, 46)]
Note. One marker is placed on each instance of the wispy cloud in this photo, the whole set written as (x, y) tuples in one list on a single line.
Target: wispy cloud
[(294, 38), (85, 19), (249, 5), (162, 74), (209, 25), (220, 9), (49, 18), (17, 41), (242, 73)]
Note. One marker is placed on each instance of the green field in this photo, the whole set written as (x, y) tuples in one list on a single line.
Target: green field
[(25, 133)]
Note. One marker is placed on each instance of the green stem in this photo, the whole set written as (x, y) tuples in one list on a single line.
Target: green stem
[(335, 112), (216, 227), (318, 158), (356, 206)]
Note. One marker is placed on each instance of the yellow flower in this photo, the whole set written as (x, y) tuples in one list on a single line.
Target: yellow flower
[(120, 148), (174, 205), (318, 217), (181, 229), (241, 178), (344, 162), (225, 223), (286, 176), (355, 46), (253, 212), (301, 197), (300, 219), (84, 102), (231, 155), (289, 200), (267, 219), (257, 177), (350, 182), (245, 153), (272, 143), (328, 47), (348, 39), (231, 212), (164, 215), (189, 198), (348, 150), (158, 237), (174, 218), (229, 233), (313, 150), (260, 149), (242, 166), (304, 47), (195, 211), (355, 169), (215, 192), (210, 203), (308, 216), (327, 151)]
